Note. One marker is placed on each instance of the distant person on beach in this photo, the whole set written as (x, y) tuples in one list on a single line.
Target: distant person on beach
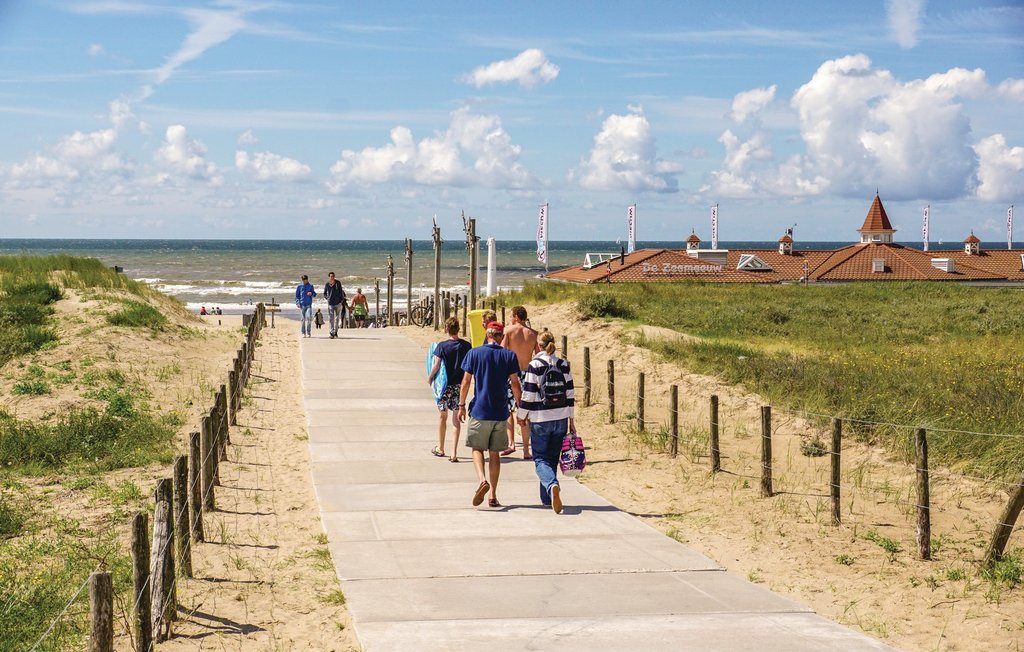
[(360, 309), (304, 294), (318, 319), (521, 339), (202, 310), (489, 368), (451, 352), (548, 404), (335, 296)]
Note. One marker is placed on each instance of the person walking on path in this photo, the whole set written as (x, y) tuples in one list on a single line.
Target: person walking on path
[(521, 339), (318, 319), (360, 308), (548, 404), (489, 368), (304, 294), (450, 353), (335, 296)]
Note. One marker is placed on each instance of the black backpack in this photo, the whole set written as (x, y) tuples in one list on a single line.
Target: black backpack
[(551, 387)]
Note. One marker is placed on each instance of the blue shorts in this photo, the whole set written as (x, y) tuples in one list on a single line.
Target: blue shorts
[(449, 398)]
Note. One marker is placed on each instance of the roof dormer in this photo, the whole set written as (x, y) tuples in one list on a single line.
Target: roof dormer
[(876, 227), (786, 243), (692, 242), (972, 245)]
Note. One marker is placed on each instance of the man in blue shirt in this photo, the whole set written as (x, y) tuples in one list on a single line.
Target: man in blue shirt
[(489, 369), (304, 294)]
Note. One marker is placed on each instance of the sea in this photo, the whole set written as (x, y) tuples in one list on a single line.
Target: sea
[(235, 274)]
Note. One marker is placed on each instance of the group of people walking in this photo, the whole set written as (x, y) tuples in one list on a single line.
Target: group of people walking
[(516, 379), (338, 306)]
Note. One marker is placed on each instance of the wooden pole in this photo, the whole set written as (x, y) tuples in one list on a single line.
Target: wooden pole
[(232, 394), (142, 626), (182, 531), (376, 293), (837, 449), (924, 517), (673, 416), (473, 243), (503, 314), (716, 450), (101, 612), (391, 290), (465, 313), (408, 269), (640, 402), (565, 346), (611, 391), (225, 433), (195, 485), (586, 376), (437, 277), (766, 451), (209, 459), (161, 567), (1007, 520)]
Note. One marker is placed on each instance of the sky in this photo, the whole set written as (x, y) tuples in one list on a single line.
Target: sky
[(324, 120)]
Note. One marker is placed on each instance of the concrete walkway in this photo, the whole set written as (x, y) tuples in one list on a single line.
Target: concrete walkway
[(424, 570)]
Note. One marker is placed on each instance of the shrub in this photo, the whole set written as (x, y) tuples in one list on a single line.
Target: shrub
[(603, 305), (12, 517), (31, 387), (136, 314), (813, 447)]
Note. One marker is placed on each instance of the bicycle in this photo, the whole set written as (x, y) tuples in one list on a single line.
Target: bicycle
[(423, 315)]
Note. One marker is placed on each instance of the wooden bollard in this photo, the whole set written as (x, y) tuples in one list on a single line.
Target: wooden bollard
[(565, 347), (161, 567), (837, 450), (586, 376), (209, 460), (225, 430), (673, 416), (182, 531), (716, 450), (465, 314), (1004, 528), (766, 451), (611, 391), (924, 517), (142, 625), (232, 393), (101, 612), (195, 486), (640, 402), (502, 314), (494, 306)]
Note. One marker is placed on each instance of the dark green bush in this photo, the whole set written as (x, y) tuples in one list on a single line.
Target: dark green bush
[(136, 314), (603, 305)]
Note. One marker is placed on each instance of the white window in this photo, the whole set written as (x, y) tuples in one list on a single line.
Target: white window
[(878, 265)]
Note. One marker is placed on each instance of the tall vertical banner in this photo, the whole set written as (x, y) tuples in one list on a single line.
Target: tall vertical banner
[(542, 236), (631, 227), (1009, 227), (924, 228), (714, 226)]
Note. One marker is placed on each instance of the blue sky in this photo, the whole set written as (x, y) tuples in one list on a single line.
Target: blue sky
[(363, 120)]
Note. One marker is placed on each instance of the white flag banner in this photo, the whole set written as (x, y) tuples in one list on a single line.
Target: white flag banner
[(631, 226), (542, 235), (1009, 227), (714, 226), (924, 228)]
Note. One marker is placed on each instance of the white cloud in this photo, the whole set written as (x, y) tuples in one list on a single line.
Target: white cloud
[(475, 150), (751, 102), (1000, 169), (623, 158), (248, 138), (1011, 88), (186, 157), (94, 50), (904, 20), (267, 166), (528, 68), (77, 156)]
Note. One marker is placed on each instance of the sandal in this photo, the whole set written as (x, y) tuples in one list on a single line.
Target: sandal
[(508, 451), (481, 491), (436, 453), (493, 502), (453, 459)]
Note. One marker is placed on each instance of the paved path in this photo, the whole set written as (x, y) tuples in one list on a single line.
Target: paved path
[(423, 570)]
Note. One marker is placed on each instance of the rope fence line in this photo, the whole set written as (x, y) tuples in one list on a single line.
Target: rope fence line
[(61, 615)]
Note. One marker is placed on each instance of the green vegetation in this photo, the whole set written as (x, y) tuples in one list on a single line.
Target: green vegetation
[(24, 309), (942, 356), (136, 314)]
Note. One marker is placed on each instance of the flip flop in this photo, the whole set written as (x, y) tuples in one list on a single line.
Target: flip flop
[(508, 451), (493, 502), (453, 459), (435, 452), (481, 491)]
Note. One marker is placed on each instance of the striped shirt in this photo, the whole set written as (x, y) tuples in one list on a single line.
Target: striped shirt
[(532, 405)]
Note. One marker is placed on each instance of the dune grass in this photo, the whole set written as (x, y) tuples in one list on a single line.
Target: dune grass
[(936, 355)]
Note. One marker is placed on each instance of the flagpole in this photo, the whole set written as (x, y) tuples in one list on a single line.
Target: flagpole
[(1009, 228)]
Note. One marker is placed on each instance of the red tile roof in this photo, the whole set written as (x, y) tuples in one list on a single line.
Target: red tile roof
[(876, 219), (972, 239), (786, 238), (693, 238)]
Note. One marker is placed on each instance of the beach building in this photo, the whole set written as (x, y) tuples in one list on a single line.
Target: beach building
[(874, 258)]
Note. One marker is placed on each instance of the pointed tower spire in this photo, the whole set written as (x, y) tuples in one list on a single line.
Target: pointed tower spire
[(876, 227)]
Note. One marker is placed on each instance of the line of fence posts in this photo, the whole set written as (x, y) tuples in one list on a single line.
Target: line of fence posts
[(157, 560)]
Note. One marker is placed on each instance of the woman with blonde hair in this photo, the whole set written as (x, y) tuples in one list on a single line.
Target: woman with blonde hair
[(548, 402)]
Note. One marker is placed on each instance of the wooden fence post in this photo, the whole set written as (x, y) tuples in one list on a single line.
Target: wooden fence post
[(565, 346), (225, 434), (586, 376), (640, 402), (142, 626), (195, 485), (465, 313), (766, 451), (232, 395), (924, 517), (611, 391), (101, 612), (182, 531), (1005, 525), (503, 313), (208, 461), (673, 416), (837, 449), (716, 450), (161, 568)]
